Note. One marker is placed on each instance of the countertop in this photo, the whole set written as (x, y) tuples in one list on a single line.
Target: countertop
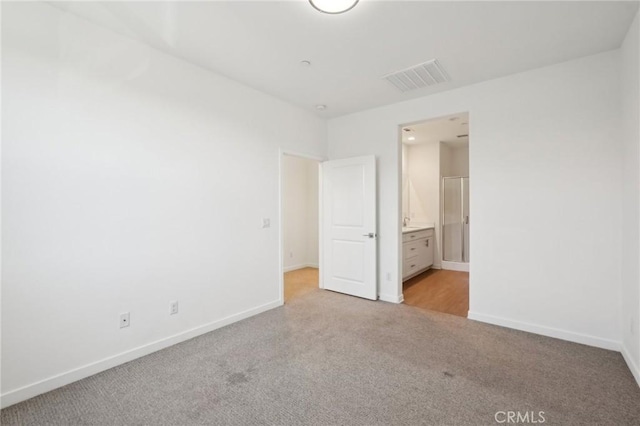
[(415, 228)]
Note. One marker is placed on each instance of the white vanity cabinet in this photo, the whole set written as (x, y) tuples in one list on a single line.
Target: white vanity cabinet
[(417, 252)]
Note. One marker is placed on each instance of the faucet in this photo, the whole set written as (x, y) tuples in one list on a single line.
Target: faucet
[(405, 221)]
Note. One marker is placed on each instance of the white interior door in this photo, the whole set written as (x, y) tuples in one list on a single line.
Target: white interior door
[(349, 239)]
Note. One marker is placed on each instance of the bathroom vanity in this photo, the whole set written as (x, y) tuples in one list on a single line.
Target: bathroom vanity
[(417, 250)]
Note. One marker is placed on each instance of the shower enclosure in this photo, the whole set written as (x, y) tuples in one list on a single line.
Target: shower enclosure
[(455, 219)]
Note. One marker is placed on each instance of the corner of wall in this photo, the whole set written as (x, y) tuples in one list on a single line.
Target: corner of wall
[(633, 366)]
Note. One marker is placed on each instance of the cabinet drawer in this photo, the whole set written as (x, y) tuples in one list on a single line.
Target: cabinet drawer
[(412, 236), (410, 267), (413, 249), (417, 256)]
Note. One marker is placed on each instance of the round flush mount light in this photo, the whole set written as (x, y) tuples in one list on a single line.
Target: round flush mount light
[(411, 138), (333, 7), (305, 64), (321, 107)]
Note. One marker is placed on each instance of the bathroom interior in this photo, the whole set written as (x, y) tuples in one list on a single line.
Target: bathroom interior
[(436, 214)]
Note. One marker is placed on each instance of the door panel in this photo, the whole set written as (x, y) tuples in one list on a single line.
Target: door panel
[(349, 261)]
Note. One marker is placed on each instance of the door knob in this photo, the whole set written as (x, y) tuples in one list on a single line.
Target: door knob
[(370, 235)]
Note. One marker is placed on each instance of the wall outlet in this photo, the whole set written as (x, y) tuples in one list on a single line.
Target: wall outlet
[(631, 328), (266, 222), (388, 276), (124, 320), (291, 254), (173, 307)]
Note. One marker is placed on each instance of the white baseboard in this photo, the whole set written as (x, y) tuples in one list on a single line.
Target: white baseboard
[(391, 298), (34, 389), (633, 366), (301, 266), (455, 266), (570, 336)]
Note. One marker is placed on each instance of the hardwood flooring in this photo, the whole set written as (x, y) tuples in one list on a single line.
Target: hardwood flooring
[(436, 289), (299, 282), (439, 290)]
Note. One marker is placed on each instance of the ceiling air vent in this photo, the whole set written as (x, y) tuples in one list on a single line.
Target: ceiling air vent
[(426, 74)]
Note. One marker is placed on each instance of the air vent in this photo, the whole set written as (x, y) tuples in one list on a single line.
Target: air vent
[(426, 74)]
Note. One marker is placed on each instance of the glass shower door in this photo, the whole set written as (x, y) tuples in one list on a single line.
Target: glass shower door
[(465, 219), (455, 219)]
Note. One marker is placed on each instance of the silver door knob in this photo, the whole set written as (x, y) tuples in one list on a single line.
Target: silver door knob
[(370, 235)]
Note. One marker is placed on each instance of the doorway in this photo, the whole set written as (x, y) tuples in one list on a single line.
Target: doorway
[(436, 214), (300, 225)]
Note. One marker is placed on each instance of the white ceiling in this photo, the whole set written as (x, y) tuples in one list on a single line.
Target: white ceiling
[(444, 129), (262, 43)]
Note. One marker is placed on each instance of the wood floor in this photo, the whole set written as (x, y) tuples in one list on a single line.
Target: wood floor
[(439, 290), (299, 282), (436, 290)]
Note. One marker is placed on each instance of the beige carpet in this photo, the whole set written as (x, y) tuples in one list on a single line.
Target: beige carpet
[(329, 359)]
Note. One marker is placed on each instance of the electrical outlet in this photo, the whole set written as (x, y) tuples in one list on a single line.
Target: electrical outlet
[(291, 254), (173, 308), (631, 326), (388, 276), (124, 320), (266, 222)]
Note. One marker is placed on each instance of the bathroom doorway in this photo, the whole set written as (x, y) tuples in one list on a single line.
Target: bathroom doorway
[(300, 225), (436, 214)]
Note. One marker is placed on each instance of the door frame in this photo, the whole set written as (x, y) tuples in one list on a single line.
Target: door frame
[(281, 154), (399, 201)]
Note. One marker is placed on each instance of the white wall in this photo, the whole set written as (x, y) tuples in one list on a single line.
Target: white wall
[(406, 185), (546, 199), (630, 55), (423, 172), (300, 212), (459, 161), (313, 207), (130, 179)]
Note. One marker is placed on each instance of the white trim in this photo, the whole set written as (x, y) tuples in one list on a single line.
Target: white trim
[(570, 336), (391, 298), (455, 266), (635, 370), (290, 153), (320, 227), (300, 266), (46, 385)]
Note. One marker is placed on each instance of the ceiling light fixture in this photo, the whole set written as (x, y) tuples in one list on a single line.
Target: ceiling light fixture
[(333, 7), (321, 107), (411, 138)]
